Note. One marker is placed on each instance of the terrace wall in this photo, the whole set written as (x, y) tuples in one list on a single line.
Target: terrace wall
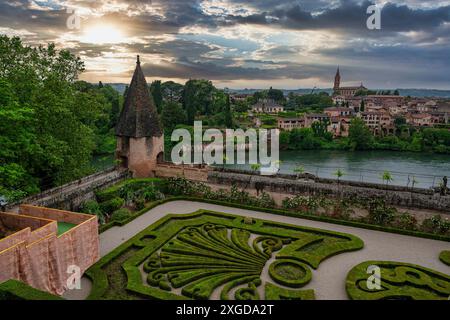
[(393, 195), (189, 172), (41, 258), (70, 196)]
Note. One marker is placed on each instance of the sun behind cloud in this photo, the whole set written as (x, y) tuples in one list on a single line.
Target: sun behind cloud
[(103, 34)]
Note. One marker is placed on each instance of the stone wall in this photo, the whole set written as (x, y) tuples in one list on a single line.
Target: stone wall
[(189, 172), (70, 196), (40, 257), (394, 195)]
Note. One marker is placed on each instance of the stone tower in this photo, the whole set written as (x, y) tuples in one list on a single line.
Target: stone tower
[(337, 81), (140, 138)]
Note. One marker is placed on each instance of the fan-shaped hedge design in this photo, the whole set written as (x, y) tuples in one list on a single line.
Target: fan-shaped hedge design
[(208, 255), (398, 281), (200, 259)]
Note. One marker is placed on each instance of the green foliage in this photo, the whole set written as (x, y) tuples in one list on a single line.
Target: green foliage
[(172, 115), (50, 122), (380, 213), (156, 93), (387, 177), (92, 207), (16, 290), (290, 273), (360, 137), (227, 113), (121, 214), (339, 174), (436, 224), (303, 139), (200, 252), (139, 203), (276, 293), (444, 256), (405, 221), (108, 207), (311, 102), (398, 281), (275, 94)]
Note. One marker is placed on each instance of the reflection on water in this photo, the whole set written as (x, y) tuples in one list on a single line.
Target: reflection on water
[(426, 170)]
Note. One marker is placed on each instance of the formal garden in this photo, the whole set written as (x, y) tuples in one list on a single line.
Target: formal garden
[(206, 253), (214, 255), (127, 200)]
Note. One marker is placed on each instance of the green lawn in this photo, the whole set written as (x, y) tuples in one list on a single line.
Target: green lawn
[(64, 227)]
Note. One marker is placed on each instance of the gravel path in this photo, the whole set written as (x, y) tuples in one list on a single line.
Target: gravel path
[(328, 279)]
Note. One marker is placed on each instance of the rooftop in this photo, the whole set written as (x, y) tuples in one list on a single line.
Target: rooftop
[(139, 117)]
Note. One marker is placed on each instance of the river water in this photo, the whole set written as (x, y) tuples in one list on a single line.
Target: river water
[(368, 166)]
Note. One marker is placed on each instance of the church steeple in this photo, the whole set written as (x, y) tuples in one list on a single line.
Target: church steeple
[(139, 117), (337, 80)]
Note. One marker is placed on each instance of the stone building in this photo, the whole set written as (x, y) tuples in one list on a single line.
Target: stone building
[(267, 106), (344, 91), (140, 138), (290, 124)]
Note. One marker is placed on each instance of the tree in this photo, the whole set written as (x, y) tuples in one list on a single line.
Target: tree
[(339, 174), (304, 139), (49, 120), (387, 177), (227, 113), (189, 103), (362, 106), (172, 91), (359, 135), (115, 112), (155, 89), (275, 94), (172, 115)]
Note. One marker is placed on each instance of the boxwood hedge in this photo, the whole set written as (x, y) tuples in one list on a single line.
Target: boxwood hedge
[(205, 250)]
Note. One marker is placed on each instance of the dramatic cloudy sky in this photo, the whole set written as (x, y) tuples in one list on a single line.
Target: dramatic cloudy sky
[(246, 43)]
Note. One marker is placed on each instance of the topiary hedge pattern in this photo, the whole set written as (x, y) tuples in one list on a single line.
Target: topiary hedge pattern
[(208, 254), (399, 281), (445, 257)]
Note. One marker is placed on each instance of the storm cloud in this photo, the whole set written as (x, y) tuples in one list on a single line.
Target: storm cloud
[(275, 43)]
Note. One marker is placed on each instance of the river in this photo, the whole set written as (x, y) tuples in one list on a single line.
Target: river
[(426, 169), (368, 166)]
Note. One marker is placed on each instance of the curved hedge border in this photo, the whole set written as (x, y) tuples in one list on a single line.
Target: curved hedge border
[(398, 281), (195, 253), (302, 215), (16, 290), (445, 257), (290, 279), (273, 292)]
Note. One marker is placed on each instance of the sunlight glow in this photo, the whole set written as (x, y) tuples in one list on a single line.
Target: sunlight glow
[(103, 34)]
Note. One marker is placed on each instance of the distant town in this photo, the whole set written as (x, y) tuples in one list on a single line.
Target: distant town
[(380, 111)]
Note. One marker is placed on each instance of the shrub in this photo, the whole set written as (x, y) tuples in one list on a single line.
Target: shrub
[(139, 203), (265, 201), (120, 214), (150, 193), (405, 221), (380, 213), (436, 224), (112, 205), (92, 207)]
